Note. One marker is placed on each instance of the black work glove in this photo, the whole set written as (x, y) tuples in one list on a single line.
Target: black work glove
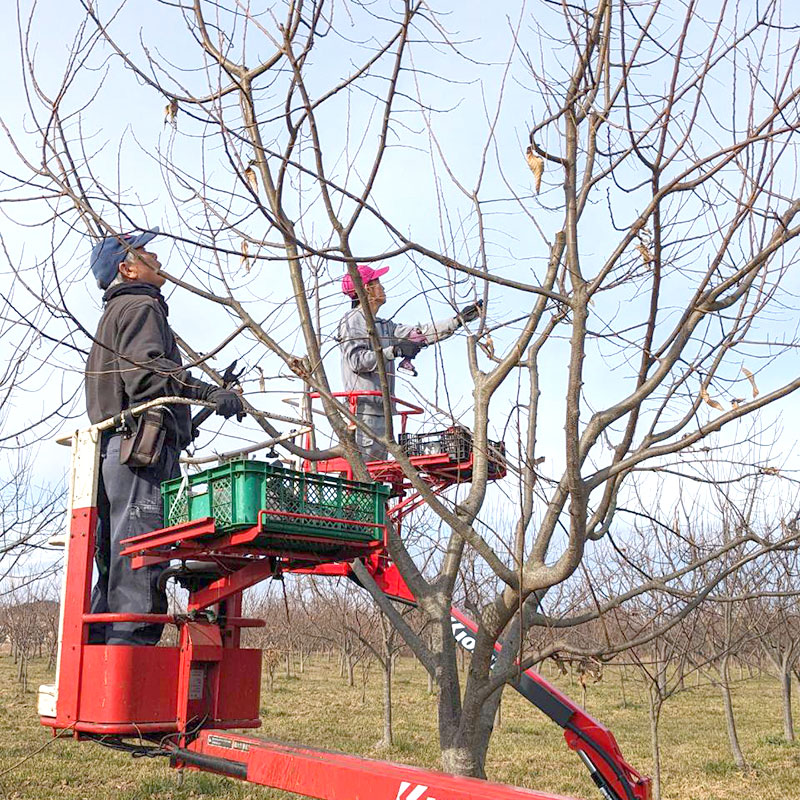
[(227, 403), (470, 312), (406, 348)]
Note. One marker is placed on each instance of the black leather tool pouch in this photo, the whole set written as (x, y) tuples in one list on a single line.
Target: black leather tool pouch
[(144, 440)]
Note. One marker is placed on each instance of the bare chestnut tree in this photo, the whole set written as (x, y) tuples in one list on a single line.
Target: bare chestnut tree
[(779, 636), (31, 495), (30, 513), (28, 622), (633, 270)]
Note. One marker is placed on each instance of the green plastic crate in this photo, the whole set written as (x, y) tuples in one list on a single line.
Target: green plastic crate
[(234, 493)]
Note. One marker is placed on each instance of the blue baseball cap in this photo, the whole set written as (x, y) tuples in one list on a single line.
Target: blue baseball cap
[(109, 252)]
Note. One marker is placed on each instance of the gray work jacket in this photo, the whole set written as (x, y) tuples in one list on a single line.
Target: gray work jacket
[(360, 361)]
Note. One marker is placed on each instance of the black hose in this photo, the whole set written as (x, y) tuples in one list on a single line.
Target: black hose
[(623, 779), (561, 714), (222, 766)]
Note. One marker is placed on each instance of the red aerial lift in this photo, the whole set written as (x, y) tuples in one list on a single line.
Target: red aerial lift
[(234, 526)]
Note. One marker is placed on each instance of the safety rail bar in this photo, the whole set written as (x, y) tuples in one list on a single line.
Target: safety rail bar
[(169, 619), (297, 515), (353, 397)]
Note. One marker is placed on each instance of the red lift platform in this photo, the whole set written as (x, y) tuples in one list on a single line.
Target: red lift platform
[(189, 702)]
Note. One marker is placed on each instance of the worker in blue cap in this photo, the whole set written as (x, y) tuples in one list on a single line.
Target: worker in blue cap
[(134, 358)]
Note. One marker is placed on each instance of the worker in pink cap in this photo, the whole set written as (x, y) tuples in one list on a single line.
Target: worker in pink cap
[(360, 361)]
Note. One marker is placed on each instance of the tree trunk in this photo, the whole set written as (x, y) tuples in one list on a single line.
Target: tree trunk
[(458, 757), (786, 695), (364, 677), (490, 718), (466, 753), (730, 720), (460, 760), (655, 743), (388, 735)]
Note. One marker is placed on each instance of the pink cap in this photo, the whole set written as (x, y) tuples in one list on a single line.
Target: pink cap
[(367, 273)]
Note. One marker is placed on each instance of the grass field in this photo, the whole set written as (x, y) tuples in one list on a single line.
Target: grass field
[(318, 708)]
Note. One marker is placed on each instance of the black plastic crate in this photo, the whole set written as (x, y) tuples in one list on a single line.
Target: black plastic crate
[(454, 441)]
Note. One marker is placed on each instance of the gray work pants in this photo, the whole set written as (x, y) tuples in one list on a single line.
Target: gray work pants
[(128, 503), (370, 449)]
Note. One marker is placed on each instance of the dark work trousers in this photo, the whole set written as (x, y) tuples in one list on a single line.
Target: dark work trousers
[(128, 503)]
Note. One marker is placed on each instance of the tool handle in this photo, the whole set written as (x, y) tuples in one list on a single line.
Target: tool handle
[(230, 378)]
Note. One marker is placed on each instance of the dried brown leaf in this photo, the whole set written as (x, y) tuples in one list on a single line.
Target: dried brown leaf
[(250, 175), (171, 112), (709, 400), (262, 387), (487, 345), (537, 167), (644, 252), (245, 262), (751, 378)]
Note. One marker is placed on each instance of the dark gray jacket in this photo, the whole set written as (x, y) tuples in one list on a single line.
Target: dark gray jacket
[(134, 358)]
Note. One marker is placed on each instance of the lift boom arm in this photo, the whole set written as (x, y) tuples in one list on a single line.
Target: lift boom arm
[(594, 743)]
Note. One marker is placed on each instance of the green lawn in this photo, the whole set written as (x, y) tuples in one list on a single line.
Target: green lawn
[(317, 708)]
